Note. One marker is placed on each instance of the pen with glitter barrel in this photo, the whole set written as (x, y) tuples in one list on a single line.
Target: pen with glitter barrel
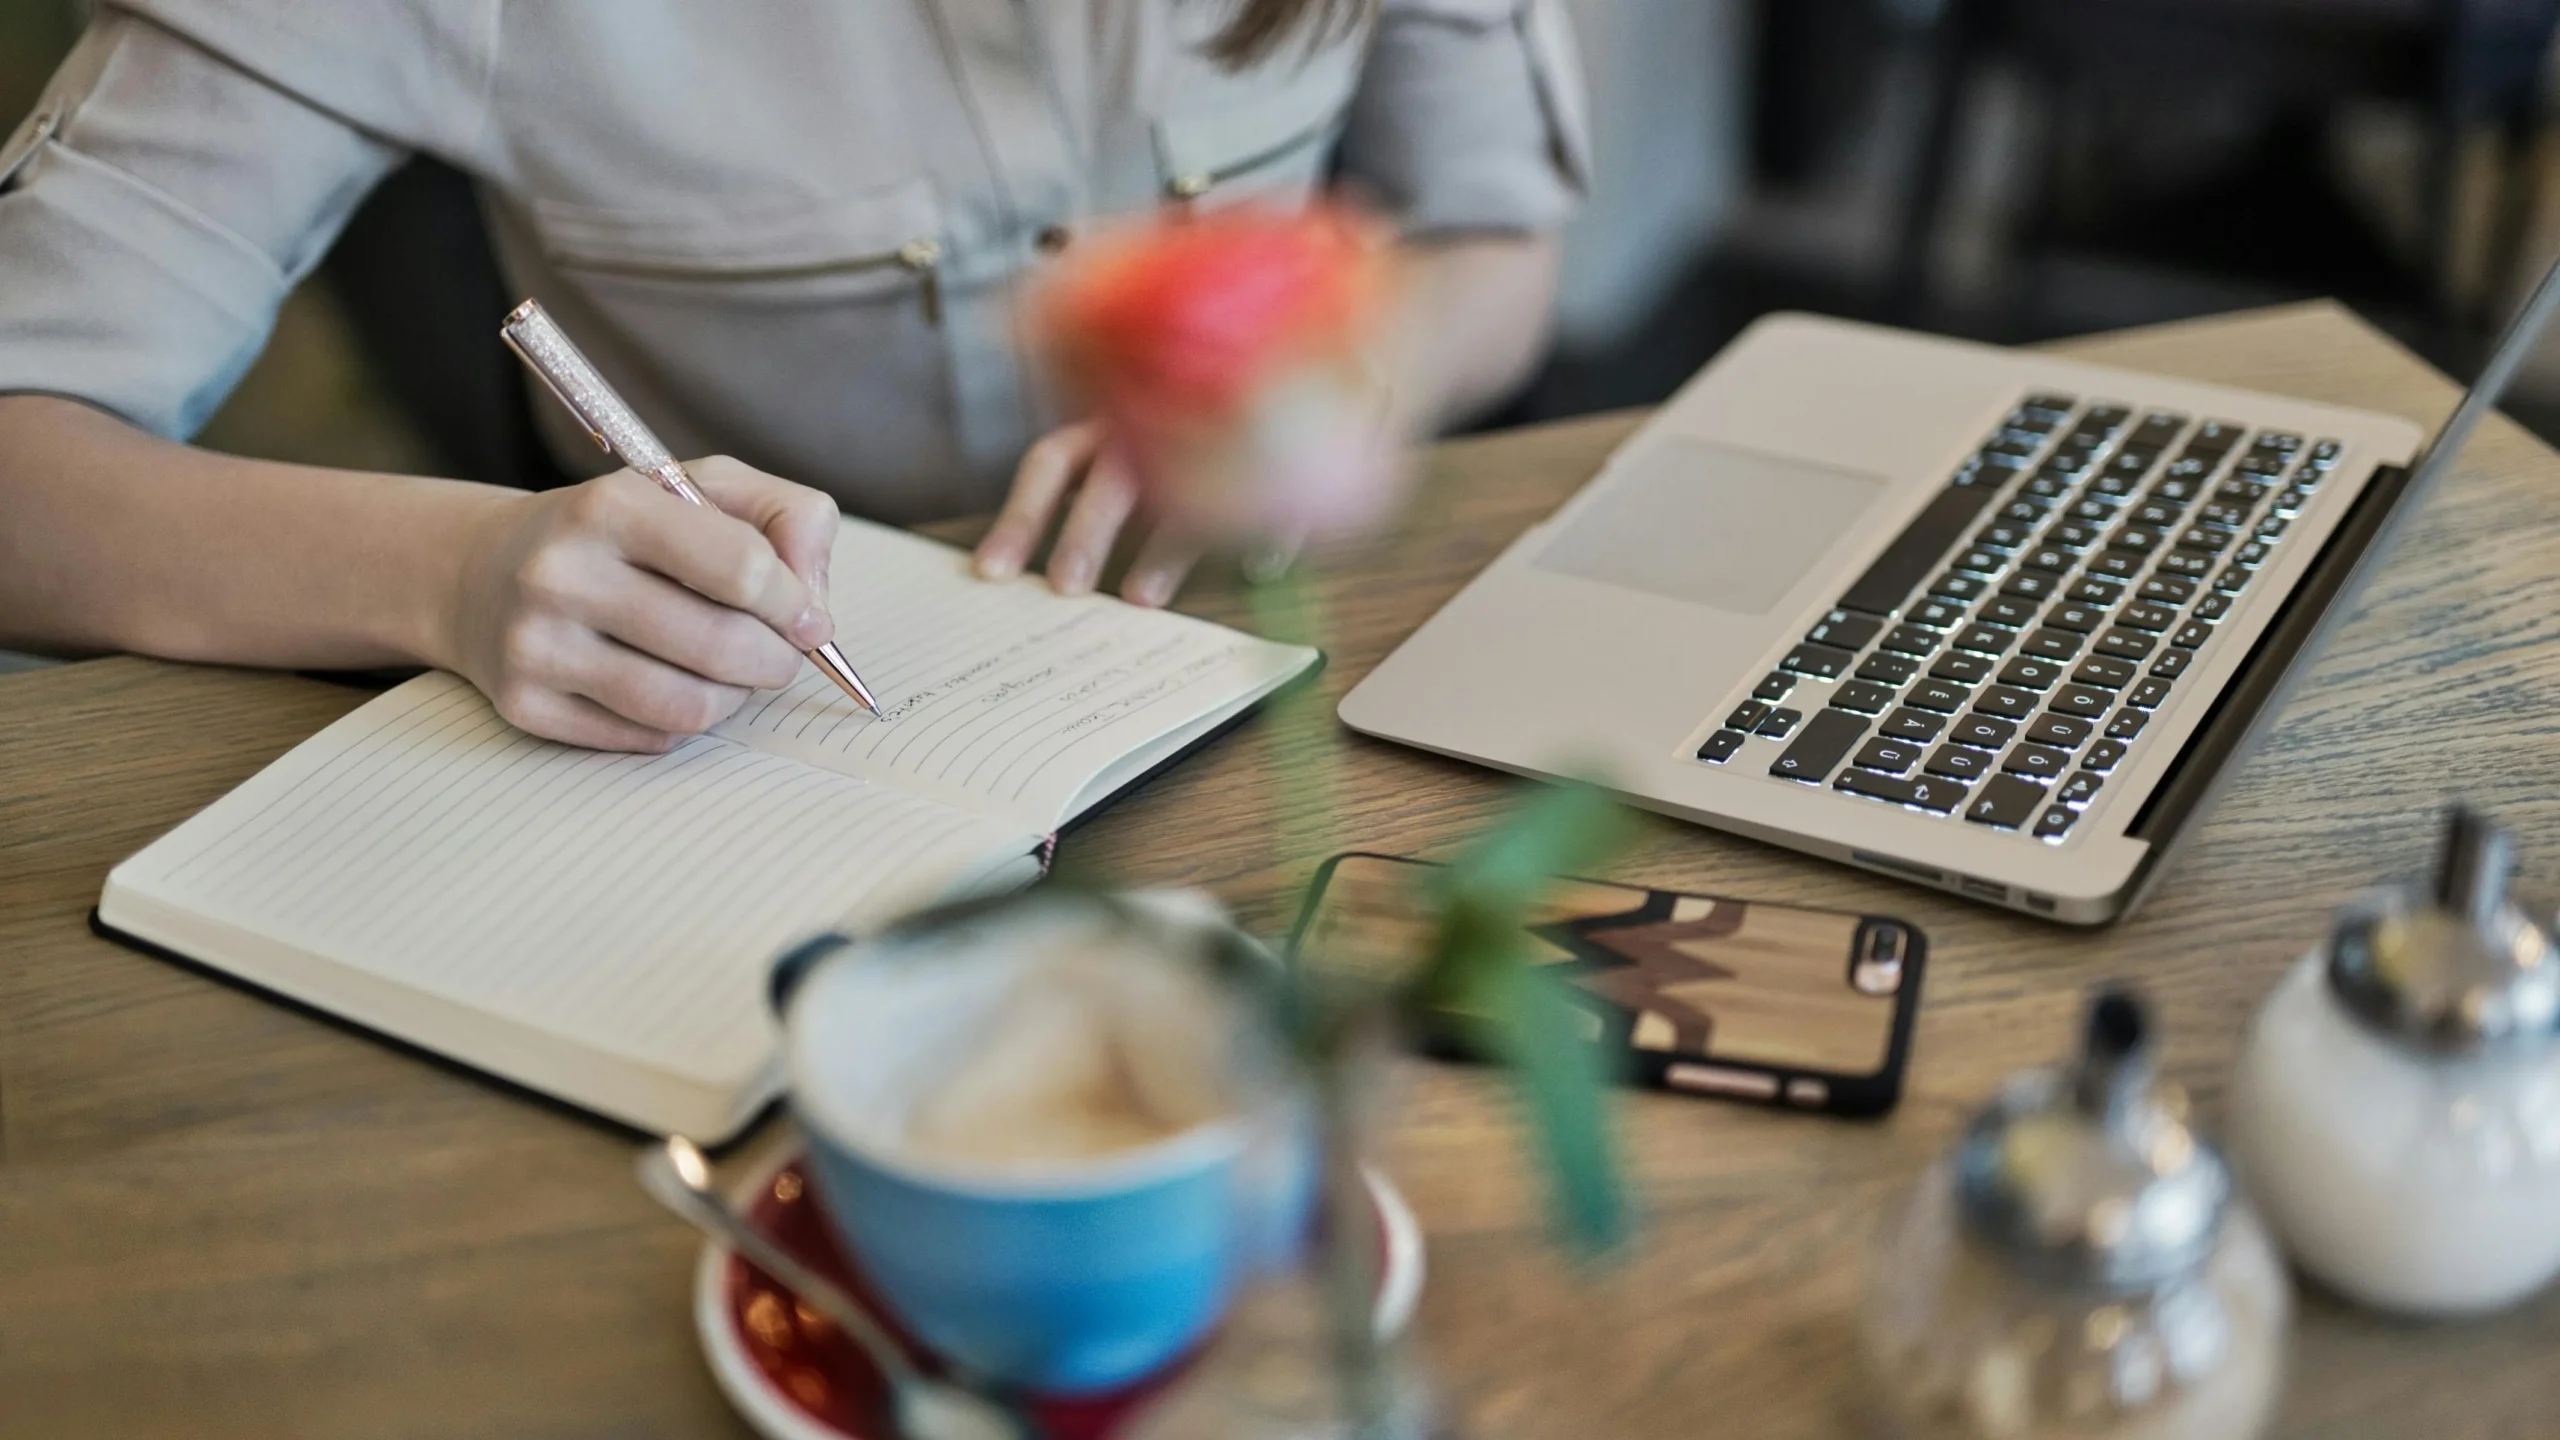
[(539, 341)]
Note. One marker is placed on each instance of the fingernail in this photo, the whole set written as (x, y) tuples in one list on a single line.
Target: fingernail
[(1072, 577), (998, 567), (812, 627), (1153, 588)]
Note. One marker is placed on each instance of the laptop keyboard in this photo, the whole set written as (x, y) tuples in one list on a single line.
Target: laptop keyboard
[(2003, 657)]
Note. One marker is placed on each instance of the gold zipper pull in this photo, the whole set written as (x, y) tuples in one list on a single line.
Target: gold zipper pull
[(924, 259)]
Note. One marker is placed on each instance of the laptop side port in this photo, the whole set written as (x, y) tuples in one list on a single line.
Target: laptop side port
[(1898, 867), (1983, 889), (2042, 904)]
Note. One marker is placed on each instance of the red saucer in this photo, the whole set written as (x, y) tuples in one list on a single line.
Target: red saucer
[(794, 1376)]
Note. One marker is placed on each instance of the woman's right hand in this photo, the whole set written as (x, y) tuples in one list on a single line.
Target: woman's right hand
[(614, 615)]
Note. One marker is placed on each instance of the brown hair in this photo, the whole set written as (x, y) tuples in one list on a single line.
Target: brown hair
[(1258, 27)]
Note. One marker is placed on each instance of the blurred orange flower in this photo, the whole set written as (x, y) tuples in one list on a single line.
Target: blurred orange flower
[(1230, 355)]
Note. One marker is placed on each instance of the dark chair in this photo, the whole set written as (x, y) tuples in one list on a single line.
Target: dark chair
[(2467, 62), (418, 281)]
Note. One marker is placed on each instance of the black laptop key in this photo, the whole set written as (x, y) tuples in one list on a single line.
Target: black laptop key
[(1912, 640), (2126, 644), (2242, 492), (1721, 746), (2105, 417), (2007, 702), (1844, 630), (1779, 724), (2127, 724), (2037, 762), (2324, 453), (2251, 555), (2213, 606), (1958, 763), (1906, 723), (2172, 664), (2116, 486), (2157, 514), (1774, 687), (2103, 756), (1982, 560), (2151, 694), (1982, 732), (1817, 752), (2147, 616), (1936, 614), (2177, 490), (2080, 789), (2167, 589), (2272, 527), (1908, 560), (2024, 510), (2093, 510), (1822, 662), (2046, 486), (2055, 822), (2132, 463), (2186, 563), (2105, 671), (2028, 673), (2211, 539), (2159, 427), (2091, 590), (2140, 539), (1893, 757), (2232, 580), (2031, 585), (1888, 670), (2052, 559), (2217, 436), (2116, 565), (2260, 462), (1956, 585), (1747, 715), (2005, 801), (2076, 534), (2085, 701), (2007, 610), (2049, 644), (2291, 501), (2192, 635), (1961, 668), (2077, 618), (1926, 792), (2052, 402), (1937, 695), (2224, 512), (2018, 443), (1985, 639), (2005, 535), (1863, 697), (2063, 732)]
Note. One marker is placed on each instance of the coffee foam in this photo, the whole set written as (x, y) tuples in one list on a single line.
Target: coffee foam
[(1043, 1040)]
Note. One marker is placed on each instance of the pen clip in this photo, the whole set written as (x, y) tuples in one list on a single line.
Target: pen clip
[(507, 333)]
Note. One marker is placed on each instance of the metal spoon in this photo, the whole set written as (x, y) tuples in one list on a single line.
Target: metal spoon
[(922, 1406)]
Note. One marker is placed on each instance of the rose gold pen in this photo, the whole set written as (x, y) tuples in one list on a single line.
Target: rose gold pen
[(539, 341)]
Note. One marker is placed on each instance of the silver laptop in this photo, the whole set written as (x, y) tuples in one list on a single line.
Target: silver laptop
[(1984, 619)]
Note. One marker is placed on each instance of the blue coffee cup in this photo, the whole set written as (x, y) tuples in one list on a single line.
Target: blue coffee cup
[(1068, 1276)]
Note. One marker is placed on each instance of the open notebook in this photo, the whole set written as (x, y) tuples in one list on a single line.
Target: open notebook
[(598, 926)]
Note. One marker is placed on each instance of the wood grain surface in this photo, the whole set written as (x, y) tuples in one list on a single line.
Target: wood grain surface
[(223, 1217)]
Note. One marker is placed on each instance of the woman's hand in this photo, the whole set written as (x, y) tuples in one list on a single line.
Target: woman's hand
[(1070, 469), (615, 615)]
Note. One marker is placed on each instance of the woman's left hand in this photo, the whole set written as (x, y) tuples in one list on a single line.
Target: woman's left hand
[(1070, 470)]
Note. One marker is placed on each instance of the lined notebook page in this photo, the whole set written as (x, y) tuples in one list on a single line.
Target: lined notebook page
[(1004, 697), (628, 904)]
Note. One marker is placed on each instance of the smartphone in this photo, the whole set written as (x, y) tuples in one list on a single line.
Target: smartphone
[(1705, 994)]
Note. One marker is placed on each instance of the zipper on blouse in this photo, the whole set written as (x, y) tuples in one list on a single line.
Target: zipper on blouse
[(920, 257), (1190, 185)]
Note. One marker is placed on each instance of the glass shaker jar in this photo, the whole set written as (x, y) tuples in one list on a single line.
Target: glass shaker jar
[(2397, 1106), (2080, 1267)]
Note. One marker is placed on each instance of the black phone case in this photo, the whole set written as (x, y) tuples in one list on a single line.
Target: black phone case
[(1700, 994)]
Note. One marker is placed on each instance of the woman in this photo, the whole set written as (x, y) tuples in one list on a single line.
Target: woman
[(795, 238)]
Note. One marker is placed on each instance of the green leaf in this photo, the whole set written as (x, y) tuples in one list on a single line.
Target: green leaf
[(1481, 968)]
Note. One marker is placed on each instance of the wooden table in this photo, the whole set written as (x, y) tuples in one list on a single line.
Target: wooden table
[(222, 1217)]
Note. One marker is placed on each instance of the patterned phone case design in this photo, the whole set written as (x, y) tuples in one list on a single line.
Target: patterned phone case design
[(1676, 978)]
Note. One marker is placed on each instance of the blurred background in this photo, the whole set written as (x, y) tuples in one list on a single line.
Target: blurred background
[(2008, 170)]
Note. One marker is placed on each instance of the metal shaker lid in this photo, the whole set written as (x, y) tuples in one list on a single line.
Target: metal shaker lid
[(2089, 1176), (2454, 968)]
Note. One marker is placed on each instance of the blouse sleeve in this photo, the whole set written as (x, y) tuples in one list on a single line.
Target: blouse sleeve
[(155, 209), (1470, 116)]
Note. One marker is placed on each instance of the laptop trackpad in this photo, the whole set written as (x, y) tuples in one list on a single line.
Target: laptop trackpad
[(1732, 529)]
